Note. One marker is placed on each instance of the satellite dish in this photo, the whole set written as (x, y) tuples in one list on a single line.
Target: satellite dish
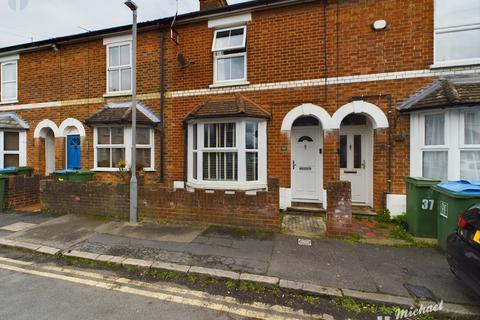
[(182, 62)]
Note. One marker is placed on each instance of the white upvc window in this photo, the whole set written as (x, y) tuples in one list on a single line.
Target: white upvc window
[(470, 144), (230, 55), (9, 81), (227, 154), (119, 67), (445, 144), (13, 151), (112, 145), (457, 25)]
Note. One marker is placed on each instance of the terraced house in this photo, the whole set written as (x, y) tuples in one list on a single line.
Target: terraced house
[(368, 91)]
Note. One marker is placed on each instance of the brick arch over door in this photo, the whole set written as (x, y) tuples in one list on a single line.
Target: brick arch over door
[(46, 123), (307, 109), (375, 114), (71, 123)]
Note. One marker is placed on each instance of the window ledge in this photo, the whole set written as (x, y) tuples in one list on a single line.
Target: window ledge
[(118, 170), (222, 185), (451, 64), (8, 101), (229, 84), (117, 94)]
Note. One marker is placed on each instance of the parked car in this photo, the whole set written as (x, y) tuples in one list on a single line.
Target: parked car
[(463, 248)]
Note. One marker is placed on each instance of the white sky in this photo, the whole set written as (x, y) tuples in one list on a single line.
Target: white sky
[(22, 21)]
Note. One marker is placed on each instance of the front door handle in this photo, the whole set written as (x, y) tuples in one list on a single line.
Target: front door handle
[(293, 164)]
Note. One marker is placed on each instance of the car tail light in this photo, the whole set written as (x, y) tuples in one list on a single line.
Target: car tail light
[(463, 223)]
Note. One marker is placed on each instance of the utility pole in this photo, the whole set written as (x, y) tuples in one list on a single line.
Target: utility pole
[(133, 163)]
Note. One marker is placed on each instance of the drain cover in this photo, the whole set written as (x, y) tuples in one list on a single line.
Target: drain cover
[(420, 291), (305, 242)]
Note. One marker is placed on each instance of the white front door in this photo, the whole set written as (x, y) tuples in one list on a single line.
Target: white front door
[(306, 163), (49, 153), (355, 151)]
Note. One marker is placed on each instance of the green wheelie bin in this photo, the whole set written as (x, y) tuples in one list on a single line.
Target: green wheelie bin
[(73, 175), (421, 215), (80, 176), (27, 171), (3, 184), (453, 198)]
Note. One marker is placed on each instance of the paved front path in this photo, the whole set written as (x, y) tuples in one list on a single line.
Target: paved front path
[(332, 263)]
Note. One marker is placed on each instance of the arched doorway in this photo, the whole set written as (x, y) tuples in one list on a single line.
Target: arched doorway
[(73, 131), (49, 150), (46, 132), (307, 159), (356, 156)]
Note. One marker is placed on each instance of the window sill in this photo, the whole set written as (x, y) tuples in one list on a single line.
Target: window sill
[(8, 102), (117, 94), (229, 84), (118, 170), (452, 64), (225, 185)]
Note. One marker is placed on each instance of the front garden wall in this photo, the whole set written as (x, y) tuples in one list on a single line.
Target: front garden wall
[(160, 204)]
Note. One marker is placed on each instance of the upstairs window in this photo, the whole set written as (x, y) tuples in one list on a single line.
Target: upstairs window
[(230, 55), (457, 25), (119, 68), (8, 81)]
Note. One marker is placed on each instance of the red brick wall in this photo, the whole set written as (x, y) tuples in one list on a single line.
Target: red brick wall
[(159, 204), (22, 191)]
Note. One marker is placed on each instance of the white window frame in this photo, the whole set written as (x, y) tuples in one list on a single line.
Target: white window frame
[(241, 183), (127, 144), (22, 147), (3, 63), (219, 55), (450, 29), (454, 140), (120, 67)]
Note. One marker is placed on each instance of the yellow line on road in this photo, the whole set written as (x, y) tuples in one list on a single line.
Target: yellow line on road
[(175, 295)]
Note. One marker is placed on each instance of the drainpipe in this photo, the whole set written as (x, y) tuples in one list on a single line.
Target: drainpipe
[(162, 105), (185, 153), (389, 130)]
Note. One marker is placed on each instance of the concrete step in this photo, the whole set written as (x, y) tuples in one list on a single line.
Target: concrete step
[(306, 211)]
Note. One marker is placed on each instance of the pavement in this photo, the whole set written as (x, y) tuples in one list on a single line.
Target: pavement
[(334, 266)]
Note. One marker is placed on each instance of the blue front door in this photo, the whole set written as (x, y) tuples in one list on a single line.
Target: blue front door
[(73, 151)]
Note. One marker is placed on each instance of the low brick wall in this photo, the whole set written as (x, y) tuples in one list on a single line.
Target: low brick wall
[(85, 198), (22, 191), (159, 203)]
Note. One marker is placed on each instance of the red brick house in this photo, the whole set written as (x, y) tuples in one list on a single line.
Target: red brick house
[(305, 91)]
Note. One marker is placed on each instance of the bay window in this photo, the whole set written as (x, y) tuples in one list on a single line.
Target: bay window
[(110, 147), (445, 144), (230, 55), (113, 146), (228, 154), (470, 150), (457, 23), (10, 153)]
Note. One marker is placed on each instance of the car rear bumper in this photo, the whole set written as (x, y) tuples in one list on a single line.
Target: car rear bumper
[(464, 261)]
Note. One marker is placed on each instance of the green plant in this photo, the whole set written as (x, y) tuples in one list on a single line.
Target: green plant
[(401, 220), (311, 299), (400, 233), (357, 307), (383, 216), (230, 284)]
